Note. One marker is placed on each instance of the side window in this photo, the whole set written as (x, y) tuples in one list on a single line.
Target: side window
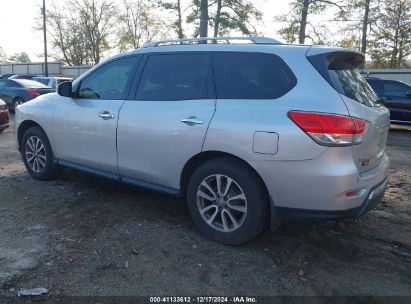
[(109, 81), (1, 83), (395, 89), (376, 86), (12, 84), (174, 77), (251, 76)]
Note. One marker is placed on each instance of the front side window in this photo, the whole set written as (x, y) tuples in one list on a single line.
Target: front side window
[(1, 83), (174, 77), (109, 81), (395, 89), (251, 76)]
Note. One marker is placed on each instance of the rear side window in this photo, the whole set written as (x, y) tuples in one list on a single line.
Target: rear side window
[(12, 84), (251, 76), (174, 77), (340, 70), (348, 81)]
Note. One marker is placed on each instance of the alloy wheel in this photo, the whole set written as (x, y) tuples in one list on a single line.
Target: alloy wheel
[(222, 203), (35, 154)]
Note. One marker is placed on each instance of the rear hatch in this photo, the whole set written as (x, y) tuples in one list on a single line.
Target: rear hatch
[(339, 67)]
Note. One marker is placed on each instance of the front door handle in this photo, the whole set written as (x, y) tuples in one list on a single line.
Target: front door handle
[(106, 115), (192, 120)]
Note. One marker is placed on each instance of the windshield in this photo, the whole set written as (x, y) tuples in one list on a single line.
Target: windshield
[(347, 80), (30, 83)]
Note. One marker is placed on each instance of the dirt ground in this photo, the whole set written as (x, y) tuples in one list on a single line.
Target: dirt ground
[(84, 235)]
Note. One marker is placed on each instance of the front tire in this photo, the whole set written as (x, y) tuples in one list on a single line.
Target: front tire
[(227, 201), (37, 155)]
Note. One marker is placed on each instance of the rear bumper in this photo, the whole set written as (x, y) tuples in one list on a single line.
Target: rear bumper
[(322, 184), (375, 196)]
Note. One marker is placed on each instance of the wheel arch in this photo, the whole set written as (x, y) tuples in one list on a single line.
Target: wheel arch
[(23, 127), (198, 159)]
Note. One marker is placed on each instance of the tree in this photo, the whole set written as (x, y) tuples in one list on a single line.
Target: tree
[(67, 37), (19, 57), (361, 17), (392, 43), (204, 18), (175, 8), (137, 24), (226, 16), (97, 20), (298, 20), (80, 35)]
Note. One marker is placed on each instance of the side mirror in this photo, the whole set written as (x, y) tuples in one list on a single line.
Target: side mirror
[(408, 93), (65, 89)]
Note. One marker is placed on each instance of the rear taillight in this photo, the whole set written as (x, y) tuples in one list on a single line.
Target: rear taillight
[(32, 92), (330, 129)]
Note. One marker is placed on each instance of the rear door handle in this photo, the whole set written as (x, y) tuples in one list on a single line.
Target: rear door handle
[(106, 115), (192, 120)]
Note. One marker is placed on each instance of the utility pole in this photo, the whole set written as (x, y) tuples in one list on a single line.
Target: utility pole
[(43, 11)]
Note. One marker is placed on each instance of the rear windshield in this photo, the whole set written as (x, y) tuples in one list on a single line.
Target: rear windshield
[(44, 81), (30, 83), (347, 80)]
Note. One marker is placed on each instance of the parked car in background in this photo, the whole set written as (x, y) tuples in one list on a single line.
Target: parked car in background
[(17, 91), (396, 96), (6, 76), (247, 132), (21, 77), (51, 82), (4, 116)]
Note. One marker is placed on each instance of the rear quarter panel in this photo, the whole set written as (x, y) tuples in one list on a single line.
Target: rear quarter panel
[(235, 121)]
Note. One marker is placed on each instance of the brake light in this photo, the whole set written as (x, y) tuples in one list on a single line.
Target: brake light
[(32, 92), (330, 129)]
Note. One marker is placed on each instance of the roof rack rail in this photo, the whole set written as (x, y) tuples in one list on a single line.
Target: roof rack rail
[(185, 41)]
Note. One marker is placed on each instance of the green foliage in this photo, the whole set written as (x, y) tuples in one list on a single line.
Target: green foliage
[(174, 7), (235, 15), (137, 24), (392, 36), (294, 20)]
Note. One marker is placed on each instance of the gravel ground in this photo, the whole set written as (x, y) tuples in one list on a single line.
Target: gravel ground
[(84, 235)]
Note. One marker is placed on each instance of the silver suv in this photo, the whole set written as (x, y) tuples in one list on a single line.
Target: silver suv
[(248, 129)]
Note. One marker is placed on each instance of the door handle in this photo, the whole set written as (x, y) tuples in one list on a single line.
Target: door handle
[(106, 115), (192, 120)]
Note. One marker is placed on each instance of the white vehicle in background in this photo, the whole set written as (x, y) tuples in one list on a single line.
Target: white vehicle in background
[(52, 82)]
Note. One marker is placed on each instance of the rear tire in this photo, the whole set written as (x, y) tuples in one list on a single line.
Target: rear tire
[(16, 102), (227, 201), (38, 156)]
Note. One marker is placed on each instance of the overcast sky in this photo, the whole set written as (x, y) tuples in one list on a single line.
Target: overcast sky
[(18, 18)]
